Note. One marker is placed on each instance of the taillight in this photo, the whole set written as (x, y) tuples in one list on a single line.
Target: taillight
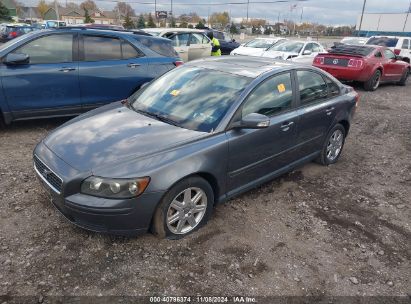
[(319, 60), (13, 34), (355, 63), (178, 63), (397, 51)]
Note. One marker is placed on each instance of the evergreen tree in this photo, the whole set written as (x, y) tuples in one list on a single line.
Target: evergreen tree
[(173, 22), (200, 25), (4, 13), (141, 23), (233, 29), (128, 23), (150, 22), (87, 18)]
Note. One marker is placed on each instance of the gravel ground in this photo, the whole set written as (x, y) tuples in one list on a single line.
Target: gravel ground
[(337, 230)]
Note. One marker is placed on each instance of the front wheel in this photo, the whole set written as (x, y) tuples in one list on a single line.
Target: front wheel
[(333, 146), (373, 83), (185, 208)]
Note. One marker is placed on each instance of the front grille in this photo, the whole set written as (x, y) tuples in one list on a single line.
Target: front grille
[(336, 61), (48, 176)]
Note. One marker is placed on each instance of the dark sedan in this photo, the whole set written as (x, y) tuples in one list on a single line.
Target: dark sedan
[(195, 137)]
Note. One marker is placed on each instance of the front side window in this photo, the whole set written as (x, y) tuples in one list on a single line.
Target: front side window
[(273, 96), (183, 39), (97, 48), (192, 97), (195, 39), (389, 54), (49, 49), (312, 87), (288, 46)]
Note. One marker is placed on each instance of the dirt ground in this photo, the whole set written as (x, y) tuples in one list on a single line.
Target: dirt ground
[(337, 230)]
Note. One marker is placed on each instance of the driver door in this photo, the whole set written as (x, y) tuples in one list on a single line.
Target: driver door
[(392, 68), (261, 153), (49, 83)]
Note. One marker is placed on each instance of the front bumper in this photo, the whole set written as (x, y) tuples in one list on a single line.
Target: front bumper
[(128, 217)]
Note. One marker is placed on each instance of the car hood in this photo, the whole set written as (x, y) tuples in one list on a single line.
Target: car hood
[(279, 54), (248, 51), (113, 135)]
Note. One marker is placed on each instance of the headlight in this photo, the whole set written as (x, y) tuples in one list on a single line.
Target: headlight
[(114, 188)]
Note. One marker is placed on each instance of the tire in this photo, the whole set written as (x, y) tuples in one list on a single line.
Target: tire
[(374, 81), (172, 216), (403, 80), (330, 155), (2, 123)]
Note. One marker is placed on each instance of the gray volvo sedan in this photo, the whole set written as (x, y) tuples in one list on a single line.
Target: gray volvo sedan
[(197, 136)]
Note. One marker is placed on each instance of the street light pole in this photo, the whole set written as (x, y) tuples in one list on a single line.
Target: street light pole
[(406, 18), (362, 15)]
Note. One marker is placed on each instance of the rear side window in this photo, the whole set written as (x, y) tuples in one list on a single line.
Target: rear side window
[(384, 41), (273, 96), (333, 88), (160, 46), (49, 49), (312, 87), (405, 44), (98, 48), (129, 51), (198, 39)]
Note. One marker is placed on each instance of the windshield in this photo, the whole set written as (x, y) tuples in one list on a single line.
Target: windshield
[(259, 43), (194, 98), (289, 46)]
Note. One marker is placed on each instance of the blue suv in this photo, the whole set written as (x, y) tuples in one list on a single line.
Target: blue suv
[(67, 71)]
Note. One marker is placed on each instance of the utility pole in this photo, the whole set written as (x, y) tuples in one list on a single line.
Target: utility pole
[(302, 12), (56, 7), (248, 4), (362, 15), (406, 18)]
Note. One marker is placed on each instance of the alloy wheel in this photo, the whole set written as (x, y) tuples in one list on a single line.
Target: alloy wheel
[(186, 210), (334, 145)]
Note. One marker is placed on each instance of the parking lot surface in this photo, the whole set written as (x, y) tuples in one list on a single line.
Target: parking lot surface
[(337, 230)]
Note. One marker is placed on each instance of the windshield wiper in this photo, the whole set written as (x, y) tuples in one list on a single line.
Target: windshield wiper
[(158, 117)]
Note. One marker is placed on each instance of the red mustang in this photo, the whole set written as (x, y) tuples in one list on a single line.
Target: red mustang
[(368, 64)]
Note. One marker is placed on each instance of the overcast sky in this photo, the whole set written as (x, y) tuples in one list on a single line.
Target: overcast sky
[(333, 12)]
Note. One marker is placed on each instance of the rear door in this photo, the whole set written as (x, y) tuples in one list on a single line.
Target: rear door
[(49, 83), (110, 69), (256, 154), (199, 46), (317, 108)]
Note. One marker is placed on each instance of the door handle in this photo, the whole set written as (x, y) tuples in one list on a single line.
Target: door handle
[(330, 110), (65, 70), (286, 125), (133, 65)]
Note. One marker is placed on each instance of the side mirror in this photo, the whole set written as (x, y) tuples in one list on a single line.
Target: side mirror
[(15, 59), (253, 121), (307, 52)]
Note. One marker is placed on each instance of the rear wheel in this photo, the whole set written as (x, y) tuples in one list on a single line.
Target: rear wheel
[(403, 80), (373, 83), (185, 208), (333, 146)]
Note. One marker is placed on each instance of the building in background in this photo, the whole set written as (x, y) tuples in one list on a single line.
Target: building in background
[(385, 24), (76, 16)]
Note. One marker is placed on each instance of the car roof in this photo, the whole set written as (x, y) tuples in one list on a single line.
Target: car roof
[(174, 30), (246, 66)]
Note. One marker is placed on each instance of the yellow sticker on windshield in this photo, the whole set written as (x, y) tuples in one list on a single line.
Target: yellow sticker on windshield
[(281, 88), (175, 92)]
